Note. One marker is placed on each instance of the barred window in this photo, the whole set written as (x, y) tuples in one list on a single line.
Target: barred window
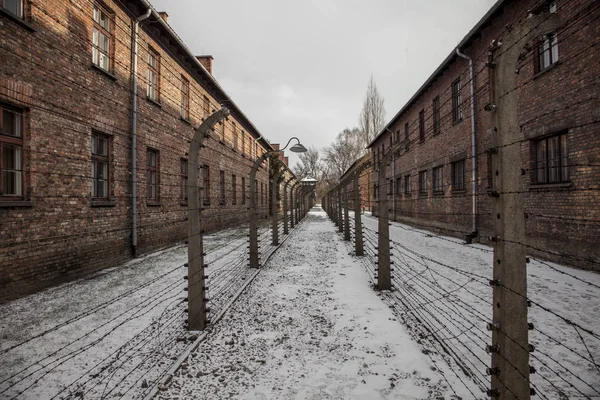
[(15, 7), (547, 51), (436, 116), (233, 189), (407, 185), (422, 126), (456, 102)]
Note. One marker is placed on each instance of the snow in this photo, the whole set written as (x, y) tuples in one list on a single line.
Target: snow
[(115, 333), (309, 327), (429, 279)]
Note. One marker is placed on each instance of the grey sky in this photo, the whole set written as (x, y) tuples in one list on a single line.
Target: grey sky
[(300, 68)]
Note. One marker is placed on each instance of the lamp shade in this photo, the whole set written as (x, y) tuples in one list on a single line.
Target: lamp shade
[(298, 148)]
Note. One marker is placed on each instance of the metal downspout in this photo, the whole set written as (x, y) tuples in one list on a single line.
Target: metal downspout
[(134, 57), (473, 147)]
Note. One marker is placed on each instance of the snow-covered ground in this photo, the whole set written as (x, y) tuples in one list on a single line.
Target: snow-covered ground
[(114, 334), (309, 327), (443, 295)]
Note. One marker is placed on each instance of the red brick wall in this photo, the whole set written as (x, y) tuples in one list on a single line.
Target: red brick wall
[(58, 233), (563, 97)]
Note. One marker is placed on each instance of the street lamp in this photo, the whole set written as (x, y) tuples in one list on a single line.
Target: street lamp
[(297, 148)]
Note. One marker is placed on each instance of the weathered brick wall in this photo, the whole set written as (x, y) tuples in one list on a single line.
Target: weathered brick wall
[(58, 233), (561, 220)]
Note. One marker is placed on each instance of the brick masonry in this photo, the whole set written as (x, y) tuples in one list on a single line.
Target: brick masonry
[(562, 220), (57, 232)]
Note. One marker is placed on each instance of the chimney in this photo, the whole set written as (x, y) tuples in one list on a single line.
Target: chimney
[(287, 161), (206, 61), (275, 146), (163, 15)]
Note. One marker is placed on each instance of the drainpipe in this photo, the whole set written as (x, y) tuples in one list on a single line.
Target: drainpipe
[(134, 57), (473, 149), (256, 146)]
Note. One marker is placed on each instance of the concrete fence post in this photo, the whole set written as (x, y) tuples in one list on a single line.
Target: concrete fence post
[(196, 290), (254, 261), (286, 207), (339, 210), (383, 243), (510, 330), (346, 211), (274, 190), (358, 238)]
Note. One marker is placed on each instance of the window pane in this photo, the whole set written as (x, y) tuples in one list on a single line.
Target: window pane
[(554, 47), (14, 6), (564, 158), (541, 161), (553, 159), (11, 123), (11, 170)]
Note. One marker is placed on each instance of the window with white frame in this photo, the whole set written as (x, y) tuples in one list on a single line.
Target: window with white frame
[(102, 38)]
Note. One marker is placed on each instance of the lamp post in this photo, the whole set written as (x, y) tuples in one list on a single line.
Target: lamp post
[(297, 148)]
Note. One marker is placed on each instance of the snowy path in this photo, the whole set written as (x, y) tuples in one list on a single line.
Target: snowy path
[(309, 327)]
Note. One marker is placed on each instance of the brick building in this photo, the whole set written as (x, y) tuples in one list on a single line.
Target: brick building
[(67, 127), (441, 176)]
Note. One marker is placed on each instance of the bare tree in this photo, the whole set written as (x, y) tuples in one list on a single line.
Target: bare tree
[(347, 148), (372, 115), (310, 164)]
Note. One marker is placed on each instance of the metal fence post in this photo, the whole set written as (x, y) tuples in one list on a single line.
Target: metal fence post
[(196, 290)]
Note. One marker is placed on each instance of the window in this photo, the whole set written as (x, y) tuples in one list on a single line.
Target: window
[(458, 175), (153, 88), (243, 190), (183, 173), (407, 185), (422, 126), (552, 159), (236, 138), (206, 183), (436, 116), (222, 187), (456, 102), (13, 6), (185, 98), (406, 136), (243, 142), (391, 140), (205, 106), (438, 179), (11, 152), (399, 186), (390, 184), (102, 38), (423, 182), (547, 52), (100, 166), (152, 183), (233, 189)]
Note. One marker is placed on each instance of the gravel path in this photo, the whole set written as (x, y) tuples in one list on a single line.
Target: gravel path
[(309, 327)]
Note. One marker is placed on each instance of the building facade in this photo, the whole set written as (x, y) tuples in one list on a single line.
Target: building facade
[(441, 175), (68, 123)]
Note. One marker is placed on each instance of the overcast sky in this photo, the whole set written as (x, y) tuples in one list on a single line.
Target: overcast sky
[(301, 67)]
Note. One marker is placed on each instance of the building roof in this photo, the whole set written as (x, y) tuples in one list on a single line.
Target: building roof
[(473, 34), (164, 35)]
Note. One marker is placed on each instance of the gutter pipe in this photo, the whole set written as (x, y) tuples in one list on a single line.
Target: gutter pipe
[(473, 148), (134, 56)]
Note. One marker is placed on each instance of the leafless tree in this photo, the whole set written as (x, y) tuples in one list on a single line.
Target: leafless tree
[(372, 115), (310, 164)]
